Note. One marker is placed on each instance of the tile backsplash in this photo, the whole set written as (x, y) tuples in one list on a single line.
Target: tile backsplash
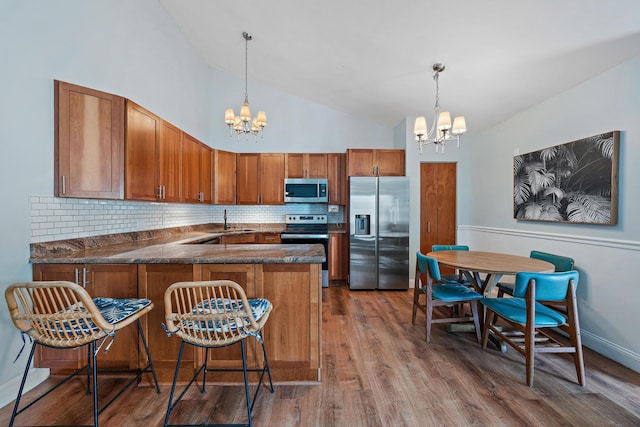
[(54, 218)]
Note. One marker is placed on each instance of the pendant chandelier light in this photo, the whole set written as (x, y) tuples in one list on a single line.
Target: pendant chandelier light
[(441, 130), (244, 123)]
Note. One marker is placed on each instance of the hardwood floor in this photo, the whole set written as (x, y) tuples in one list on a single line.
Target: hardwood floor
[(379, 371)]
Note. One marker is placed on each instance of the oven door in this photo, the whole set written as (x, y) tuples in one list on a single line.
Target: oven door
[(311, 239)]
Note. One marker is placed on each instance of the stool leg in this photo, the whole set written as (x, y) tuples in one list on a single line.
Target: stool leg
[(146, 349), (173, 386), (266, 364), (204, 371), (94, 369), (246, 382), (24, 380)]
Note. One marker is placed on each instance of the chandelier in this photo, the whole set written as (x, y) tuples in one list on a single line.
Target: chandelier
[(244, 123), (441, 130)]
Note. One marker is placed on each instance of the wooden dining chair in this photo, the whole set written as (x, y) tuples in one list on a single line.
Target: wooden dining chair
[(528, 314), (441, 296), (62, 315), (215, 314), (457, 276), (560, 263)]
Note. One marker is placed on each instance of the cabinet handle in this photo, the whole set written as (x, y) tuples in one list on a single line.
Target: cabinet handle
[(428, 226), (164, 192), (159, 192), (77, 282), (84, 277), (64, 185)]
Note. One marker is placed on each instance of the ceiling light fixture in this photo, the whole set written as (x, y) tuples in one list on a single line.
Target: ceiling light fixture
[(244, 124), (441, 130)]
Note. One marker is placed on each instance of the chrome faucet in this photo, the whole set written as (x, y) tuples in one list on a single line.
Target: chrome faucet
[(226, 226)]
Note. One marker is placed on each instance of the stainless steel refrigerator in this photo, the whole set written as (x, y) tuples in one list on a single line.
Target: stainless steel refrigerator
[(379, 232)]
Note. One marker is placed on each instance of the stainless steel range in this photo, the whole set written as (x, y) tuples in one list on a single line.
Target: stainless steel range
[(309, 229)]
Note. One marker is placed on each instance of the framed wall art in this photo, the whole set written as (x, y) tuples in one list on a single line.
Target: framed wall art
[(576, 182)]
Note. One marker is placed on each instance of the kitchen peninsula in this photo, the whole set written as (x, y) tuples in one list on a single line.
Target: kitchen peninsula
[(144, 264)]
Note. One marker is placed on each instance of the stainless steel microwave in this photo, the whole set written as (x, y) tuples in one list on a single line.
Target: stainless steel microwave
[(306, 190)]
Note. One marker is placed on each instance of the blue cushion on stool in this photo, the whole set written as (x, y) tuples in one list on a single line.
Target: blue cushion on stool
[(115, 310)]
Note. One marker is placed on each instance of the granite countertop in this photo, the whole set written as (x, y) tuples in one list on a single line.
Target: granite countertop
[(175, 246)]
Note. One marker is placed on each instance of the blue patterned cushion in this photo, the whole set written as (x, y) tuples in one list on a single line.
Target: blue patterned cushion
[(258, 307), (115, 310)]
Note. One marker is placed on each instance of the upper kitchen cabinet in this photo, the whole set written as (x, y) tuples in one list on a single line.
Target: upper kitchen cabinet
[(303, 165), (336, 175), (197, 177), (224, 182), (375, 162), (89, 143), (153, 158), (260, 178)]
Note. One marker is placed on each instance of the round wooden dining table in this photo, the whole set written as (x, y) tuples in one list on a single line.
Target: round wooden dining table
[(492, 264)]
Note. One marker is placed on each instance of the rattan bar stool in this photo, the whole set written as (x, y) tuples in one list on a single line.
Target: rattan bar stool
[(60, 314), (214, 314)]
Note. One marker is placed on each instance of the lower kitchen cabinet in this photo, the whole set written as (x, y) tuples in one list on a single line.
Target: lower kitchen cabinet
[(338, 258), (292, 333), (100, 280)]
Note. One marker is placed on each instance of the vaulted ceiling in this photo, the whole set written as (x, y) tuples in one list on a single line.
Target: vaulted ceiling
[(374, 58)]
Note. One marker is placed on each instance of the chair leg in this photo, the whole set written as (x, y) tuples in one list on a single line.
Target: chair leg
[(429, 315), (529, 348), (416, 299), (246, 381), (173, 386), (24, 380), (476, 318), (487, 325)]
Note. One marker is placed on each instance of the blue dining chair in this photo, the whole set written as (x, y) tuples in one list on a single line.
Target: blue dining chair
[(561, 264), (528, 314), (458, 277), (441, 293)]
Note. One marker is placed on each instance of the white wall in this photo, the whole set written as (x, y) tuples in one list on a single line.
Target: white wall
[(133, 49), (608, 292)]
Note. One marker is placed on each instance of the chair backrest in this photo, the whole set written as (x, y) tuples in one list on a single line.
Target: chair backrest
[(436, 248), (210, 313), (561, 263), (428, 265), (549, 286), (56, 313)]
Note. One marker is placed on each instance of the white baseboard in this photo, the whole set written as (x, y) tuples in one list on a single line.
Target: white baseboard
[(9, 390), (611, 350)]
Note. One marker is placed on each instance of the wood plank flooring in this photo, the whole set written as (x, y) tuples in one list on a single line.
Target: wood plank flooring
[(379, 371)]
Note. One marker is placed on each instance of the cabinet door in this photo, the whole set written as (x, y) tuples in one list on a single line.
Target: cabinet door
[(191, 169), (89, 143), (295, 165), (247, 179), (316, 165), (336, 175), (390, 162), (224, 167), (272, 179), (153, 280), (206, 173), (294, 290), (437, 205), (269, 238), (360, 162), (117, 281), (170, 162), (234, 239), (231, 357), (140, 169), (335, 256)]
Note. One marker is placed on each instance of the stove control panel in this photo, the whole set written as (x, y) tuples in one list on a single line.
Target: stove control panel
[(305, 219)]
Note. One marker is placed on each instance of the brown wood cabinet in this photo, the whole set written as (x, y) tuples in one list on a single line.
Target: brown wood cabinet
[(260, 178), (269, 238), (197, 175), (336, 257), (306, 165), (375, 162), (337, 177), (100, 280), (224, 182), (234, 239), (153, 169), (88, 143)]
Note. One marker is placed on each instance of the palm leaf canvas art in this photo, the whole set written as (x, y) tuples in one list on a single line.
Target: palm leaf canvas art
[(575, 182)]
